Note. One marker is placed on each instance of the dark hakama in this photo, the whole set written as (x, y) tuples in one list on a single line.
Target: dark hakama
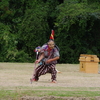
[(43, 69)]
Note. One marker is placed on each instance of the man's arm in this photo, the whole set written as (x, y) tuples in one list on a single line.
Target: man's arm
[(40, 58), (53, 59)]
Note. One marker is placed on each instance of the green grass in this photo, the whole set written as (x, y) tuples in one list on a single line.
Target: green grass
[(19, 92)]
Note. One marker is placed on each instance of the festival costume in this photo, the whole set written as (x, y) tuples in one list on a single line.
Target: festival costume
[(49, 67), (44, 67)]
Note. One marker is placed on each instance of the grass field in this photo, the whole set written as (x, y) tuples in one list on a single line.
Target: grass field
[(71, 84)]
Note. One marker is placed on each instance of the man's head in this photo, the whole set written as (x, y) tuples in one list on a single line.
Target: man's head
[(51, 44)]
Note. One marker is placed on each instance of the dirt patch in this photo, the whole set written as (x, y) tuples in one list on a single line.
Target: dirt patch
[(59, 98)]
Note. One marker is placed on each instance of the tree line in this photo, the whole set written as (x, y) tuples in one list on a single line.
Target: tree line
[(26, 24)]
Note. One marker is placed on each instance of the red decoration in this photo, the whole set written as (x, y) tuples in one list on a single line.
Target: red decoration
[(52, 35)]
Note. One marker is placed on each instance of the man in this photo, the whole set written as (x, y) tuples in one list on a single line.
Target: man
[(49, 56)]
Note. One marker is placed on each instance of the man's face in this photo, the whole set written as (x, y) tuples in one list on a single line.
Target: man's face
[(51, 44)]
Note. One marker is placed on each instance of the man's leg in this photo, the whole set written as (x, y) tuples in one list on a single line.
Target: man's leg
[(53, 73)]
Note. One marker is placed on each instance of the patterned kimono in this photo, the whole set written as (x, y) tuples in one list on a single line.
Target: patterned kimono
[(47, 67)]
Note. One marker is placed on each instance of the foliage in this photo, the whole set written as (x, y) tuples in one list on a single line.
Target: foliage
[(75, 25), (32, 28), (26, 24)]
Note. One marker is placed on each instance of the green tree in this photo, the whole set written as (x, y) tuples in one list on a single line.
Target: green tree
[(75, 23), (26, 24), (8, 33)]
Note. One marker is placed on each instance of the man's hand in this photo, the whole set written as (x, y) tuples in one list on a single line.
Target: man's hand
[(53, 59), (37, 61), (48, 61), (40, 58)]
